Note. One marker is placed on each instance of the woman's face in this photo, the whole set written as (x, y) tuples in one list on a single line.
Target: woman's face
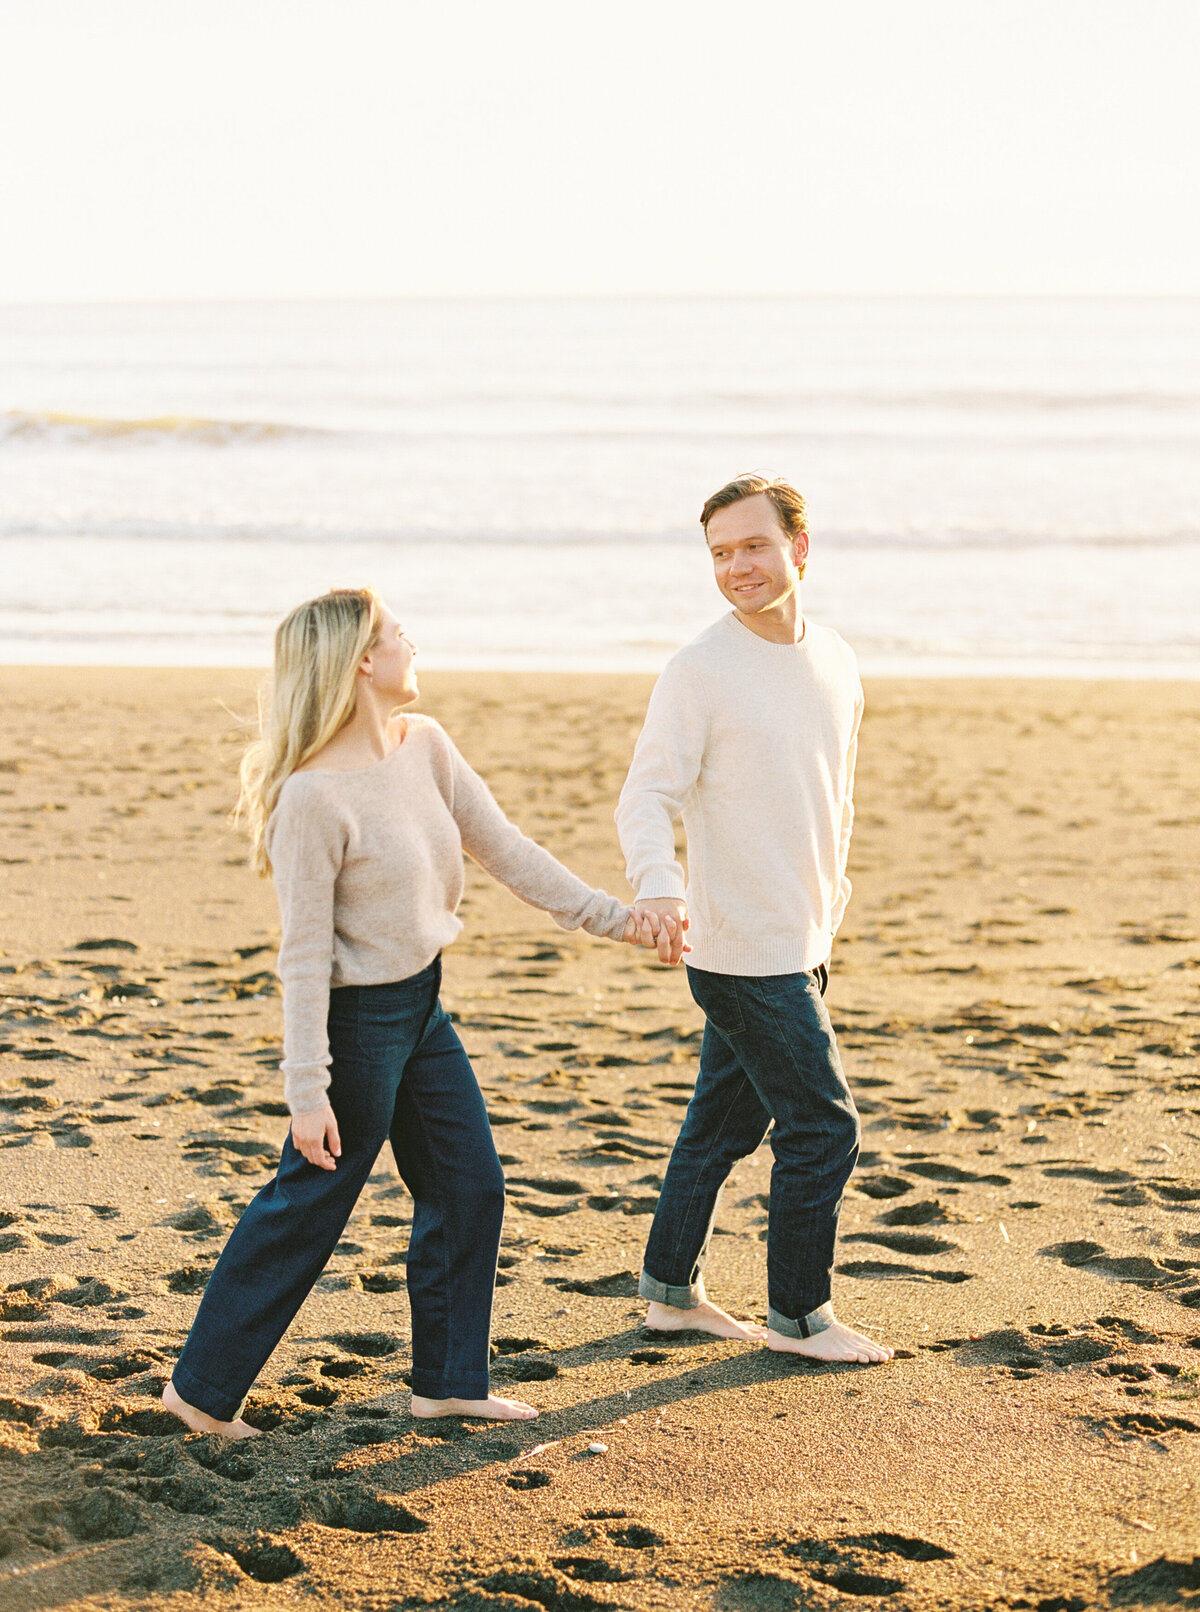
[(390, 663)]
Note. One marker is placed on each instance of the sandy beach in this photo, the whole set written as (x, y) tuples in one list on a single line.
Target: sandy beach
[(1016, 995)]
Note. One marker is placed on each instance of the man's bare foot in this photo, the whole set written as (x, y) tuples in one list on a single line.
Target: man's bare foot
[(837, 1342), (703, 1317), (497, 1410), (199, 1422)]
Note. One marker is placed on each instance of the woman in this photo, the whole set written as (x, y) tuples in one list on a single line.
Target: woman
[(362, 816)]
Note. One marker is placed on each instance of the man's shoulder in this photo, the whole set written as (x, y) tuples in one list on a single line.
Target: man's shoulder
[(830, 643), (716, 637)]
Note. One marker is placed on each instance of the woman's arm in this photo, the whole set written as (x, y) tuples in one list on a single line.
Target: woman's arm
[(306, 844), (523, 866)]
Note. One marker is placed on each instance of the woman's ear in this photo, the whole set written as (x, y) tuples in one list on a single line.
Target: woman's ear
[(365, 669)]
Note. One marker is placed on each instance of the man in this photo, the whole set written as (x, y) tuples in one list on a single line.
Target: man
[(751, 735)]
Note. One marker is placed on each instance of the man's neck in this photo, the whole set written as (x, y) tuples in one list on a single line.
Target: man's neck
[(781, 624)]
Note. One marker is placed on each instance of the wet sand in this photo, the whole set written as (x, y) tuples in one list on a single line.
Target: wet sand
[(1016, 991)]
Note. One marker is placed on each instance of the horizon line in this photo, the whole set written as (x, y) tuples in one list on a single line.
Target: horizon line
[(222, 299)]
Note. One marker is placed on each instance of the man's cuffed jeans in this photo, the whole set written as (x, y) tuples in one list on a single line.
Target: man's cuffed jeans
[(769, 1055)]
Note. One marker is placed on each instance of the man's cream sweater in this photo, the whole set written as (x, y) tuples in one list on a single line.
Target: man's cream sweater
[(368, 869), (753, 744)]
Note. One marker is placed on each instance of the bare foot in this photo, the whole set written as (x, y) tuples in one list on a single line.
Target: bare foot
[(837, 1342), (201, 1423), (704, 1317), (498, 1410)]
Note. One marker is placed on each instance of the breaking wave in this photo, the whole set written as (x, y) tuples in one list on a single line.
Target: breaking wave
[(73, 528), (27, 426)]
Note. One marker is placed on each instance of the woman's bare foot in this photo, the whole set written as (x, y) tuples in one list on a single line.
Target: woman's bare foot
[(497, 1410), (703, 1317), (198, 1422), (837, 1342)]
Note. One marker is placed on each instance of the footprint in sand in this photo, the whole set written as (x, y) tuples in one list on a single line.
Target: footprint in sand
[(900, 1242), (932, 1171), (266, 1560), (1138, 1269), (885, 1270), (883, 1186), (1027, 1352), (1153, 1424), (1156, 1582), (564, 1186), (523, 1369), (591, 1569), (339, 1369), (1087, 1172), (319, 1396), (618, 1285), (605, 1204), (370, 1345), (634, 1537), (190, 1279), (200, 1221), (361, 1510), (926, 1212), (136, 1363)]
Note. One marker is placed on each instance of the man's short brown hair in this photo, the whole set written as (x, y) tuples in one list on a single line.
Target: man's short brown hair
[(789, 504)]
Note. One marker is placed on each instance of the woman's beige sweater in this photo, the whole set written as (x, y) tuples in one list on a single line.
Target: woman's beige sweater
[(368, 869)]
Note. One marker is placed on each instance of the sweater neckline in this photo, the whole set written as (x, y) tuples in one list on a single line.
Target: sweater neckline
[(789, 649), (360, 772)]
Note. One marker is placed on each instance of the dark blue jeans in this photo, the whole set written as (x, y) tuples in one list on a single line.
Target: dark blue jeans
[(768, 1054), (399, 1073)]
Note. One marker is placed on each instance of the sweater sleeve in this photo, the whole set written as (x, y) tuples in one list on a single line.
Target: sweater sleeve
[(306, 844), (666, 765), (842, 897), (523, 866)]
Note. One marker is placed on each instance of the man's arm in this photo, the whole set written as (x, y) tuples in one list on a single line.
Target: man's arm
[(842, 897), (666, 764)]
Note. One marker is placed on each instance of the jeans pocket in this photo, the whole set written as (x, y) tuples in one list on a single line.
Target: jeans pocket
[(716, 995), (380, 1031)]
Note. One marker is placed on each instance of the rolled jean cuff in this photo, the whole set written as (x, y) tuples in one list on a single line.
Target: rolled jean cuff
[(215, 1402), (435, 1385), (679, 1298), (818, 1320)]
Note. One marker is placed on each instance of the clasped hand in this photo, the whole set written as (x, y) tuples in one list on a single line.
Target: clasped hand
[(660, 925)]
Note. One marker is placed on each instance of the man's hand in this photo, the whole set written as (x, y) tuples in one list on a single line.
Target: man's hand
[(655, 934), (667, 917), (311, 1132)]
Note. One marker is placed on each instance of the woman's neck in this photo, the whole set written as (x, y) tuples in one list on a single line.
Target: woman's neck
[(373, 732)]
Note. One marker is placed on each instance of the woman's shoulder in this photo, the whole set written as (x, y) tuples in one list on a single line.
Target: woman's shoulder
[(303, 796), (418, 725)]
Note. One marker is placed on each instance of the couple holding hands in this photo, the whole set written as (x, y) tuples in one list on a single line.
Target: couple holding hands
[(362, 815)]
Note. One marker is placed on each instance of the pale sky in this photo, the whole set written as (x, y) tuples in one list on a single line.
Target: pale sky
[(268, 148)]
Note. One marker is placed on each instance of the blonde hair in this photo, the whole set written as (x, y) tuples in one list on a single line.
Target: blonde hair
[(788, 503), (309, 697)]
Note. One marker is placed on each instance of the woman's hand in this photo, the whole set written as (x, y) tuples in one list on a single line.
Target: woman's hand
[(316, 1136)]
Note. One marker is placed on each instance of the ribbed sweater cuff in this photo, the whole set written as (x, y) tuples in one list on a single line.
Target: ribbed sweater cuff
[(304, 1090), (658, 886)]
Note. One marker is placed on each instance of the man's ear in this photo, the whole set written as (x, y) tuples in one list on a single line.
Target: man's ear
[(800, 551)]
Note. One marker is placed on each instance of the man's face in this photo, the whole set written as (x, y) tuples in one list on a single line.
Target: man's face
[(755, 562)]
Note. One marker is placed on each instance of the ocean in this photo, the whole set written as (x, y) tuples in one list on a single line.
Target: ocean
[(995, 486)]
